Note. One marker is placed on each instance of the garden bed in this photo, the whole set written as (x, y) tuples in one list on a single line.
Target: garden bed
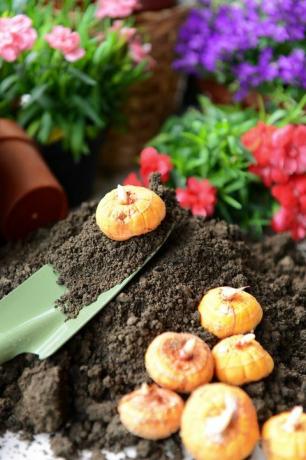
[(74, 393)]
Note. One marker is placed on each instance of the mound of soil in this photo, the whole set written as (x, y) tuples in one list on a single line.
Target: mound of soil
[(74, 393)]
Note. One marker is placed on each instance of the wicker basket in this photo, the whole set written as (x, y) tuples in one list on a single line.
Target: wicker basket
[(151, 101)]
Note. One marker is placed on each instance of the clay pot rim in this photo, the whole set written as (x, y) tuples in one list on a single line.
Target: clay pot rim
[(12, 131), (9, 138)]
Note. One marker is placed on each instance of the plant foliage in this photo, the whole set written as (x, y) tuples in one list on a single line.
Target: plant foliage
[(206, 144), (57, 100)]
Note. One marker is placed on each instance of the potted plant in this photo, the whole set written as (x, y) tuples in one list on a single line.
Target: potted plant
[(246, 46), (64, 73)]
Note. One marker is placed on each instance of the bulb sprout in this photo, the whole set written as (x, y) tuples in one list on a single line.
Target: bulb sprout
[(228, 293), (188, 349), (122, 195), (145, 389), (215, 426), (293, 419), (246, 339)]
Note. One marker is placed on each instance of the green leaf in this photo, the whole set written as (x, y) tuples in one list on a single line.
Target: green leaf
[(27, 114), (37, 93), (86, 109), (234, 186), (8, 82), (224, 212), (77, 138), (192, 137), (33, 128), (231, 201), (82, 76), (276, 116), (45, 127)]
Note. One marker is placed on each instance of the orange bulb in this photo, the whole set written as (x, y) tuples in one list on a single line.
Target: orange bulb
[(129, 211), (284, 436), (179, 361), (227, 311), (219, 422), (151, 412), (241, 359)]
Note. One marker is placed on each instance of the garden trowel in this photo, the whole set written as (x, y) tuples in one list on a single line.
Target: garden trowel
[(30, 322)]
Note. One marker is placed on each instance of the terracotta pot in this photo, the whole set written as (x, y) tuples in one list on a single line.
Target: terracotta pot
[(30, 196), (220, 94), (153, 5)]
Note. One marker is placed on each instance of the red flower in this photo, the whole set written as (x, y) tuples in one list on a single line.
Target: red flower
[(279, 152), (132, 179), (292, 215), (199, 196), (285, 194), (269, 175), (282, 136), (152, 161), (258, 141), (299, 136), (289, 149)]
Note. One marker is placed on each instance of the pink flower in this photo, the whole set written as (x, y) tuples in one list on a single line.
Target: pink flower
[(132, 179), (116, 8), (68, 42), (284, 220), (141, 51), (127, 33), (16, 35), (152, 161), (200, 196)]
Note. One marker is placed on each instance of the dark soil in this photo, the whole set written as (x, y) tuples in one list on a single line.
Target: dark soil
[(74, 393)]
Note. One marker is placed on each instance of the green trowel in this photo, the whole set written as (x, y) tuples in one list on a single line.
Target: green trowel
[(29, 321)]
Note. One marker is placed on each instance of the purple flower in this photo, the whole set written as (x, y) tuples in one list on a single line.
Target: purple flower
[(245, 41), (292, 68)]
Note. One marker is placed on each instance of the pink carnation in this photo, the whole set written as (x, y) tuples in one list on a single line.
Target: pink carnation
[(116, 8), (127, 33), (16, 35), (141, 51), (65, 40), (200, 196)]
